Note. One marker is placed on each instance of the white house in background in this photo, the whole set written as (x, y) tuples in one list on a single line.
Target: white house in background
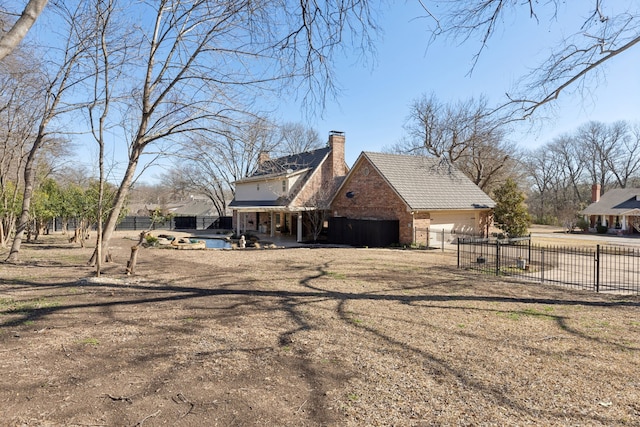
[(618, 209), (278, 194)]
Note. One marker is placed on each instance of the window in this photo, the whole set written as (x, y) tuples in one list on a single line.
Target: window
[(284, 186), (258, 186)]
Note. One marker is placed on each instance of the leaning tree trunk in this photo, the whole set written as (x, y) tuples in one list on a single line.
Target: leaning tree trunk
[(29, 180), (133, 259), (112, 219)]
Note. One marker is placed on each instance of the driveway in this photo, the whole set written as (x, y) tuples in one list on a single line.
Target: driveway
[(544, 234)]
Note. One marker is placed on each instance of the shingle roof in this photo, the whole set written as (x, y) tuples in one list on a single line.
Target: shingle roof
[(615, 202), (429, 183), (301, 163), (196, 207), (292, 163)]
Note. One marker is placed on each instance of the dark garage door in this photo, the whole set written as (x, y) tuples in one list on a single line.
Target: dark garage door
[(363, 232)]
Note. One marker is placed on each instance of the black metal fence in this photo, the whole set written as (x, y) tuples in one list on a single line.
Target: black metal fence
[(176, 223), (600, 269)]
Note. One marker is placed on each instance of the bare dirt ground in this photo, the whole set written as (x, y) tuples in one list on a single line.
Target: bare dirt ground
[(305, 337)]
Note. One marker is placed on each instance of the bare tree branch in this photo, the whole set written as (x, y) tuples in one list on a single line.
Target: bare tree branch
[(11, 39)]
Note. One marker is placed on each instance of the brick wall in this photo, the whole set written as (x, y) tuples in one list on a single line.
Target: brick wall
[(372, 198)]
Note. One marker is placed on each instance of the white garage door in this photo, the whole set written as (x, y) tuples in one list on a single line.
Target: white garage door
[(454, 224)]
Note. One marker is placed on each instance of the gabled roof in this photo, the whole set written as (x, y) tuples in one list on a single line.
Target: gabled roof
[(287, 165), (196, 207), (304, 164), (426, 183), (619, 201)]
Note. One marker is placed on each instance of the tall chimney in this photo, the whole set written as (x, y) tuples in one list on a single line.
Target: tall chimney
[(595, 193), (263, 156), (336, 143)]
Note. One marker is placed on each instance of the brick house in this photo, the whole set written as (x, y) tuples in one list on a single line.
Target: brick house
[(281, 193), (617, 209), (420, 193)]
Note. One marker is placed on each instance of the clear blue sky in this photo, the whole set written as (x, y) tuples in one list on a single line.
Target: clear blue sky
[(375, 100)]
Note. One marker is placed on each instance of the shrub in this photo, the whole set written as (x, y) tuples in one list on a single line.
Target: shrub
[(151, 240), (582, 224), (601, 229)]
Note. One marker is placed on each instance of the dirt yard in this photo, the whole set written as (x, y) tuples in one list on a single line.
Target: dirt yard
[(305, 337)]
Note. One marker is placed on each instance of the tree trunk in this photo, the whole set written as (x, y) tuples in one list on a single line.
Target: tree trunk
[(10, 40), (23, 222), (118, 203), (133, 259)]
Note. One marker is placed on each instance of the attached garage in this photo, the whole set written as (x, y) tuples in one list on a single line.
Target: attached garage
[(420, 193), (453, 223)]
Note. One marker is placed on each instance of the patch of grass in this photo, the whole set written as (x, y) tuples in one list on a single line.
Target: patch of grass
[(512, 315), (89, 341), (516, 315), (534, 312), (335, 275), (353, 397), (8, 306)]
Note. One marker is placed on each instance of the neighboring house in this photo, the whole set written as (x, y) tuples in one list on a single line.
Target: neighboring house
[(617, 209), (416, 194), (195, 206), (278, 195)]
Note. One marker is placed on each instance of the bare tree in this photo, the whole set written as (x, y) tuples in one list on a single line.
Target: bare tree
[(542, 170), (296, 138), (624, 159), (212, 165), (609, 29), (562, 172), (466, 134), (200, 64), (64, 77), (597, 146), (567, 153), (12, 38), (19, 109), (108, 47), (318, 209)]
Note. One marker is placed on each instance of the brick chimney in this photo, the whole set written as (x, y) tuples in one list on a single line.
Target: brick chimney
[(263, 156), (336, 143), (595, 193)]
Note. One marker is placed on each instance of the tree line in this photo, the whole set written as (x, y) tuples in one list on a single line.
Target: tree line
[(560, 174)]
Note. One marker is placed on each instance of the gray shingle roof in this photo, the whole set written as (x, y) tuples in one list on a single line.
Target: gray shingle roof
[(615, 202), (427, 183), (292, 163)]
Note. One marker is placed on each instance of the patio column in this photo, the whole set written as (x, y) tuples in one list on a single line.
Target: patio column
[(272, 231), (237, 223), (299, 234)]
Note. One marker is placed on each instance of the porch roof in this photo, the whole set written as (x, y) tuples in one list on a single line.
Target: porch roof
[(617, 202)]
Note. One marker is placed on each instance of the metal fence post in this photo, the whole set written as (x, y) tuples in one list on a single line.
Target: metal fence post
[(458, 253), (597, 266), (497, 257), (542, 265), (443, 240)]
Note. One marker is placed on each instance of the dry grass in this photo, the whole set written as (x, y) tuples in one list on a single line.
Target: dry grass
[(340, 337)]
